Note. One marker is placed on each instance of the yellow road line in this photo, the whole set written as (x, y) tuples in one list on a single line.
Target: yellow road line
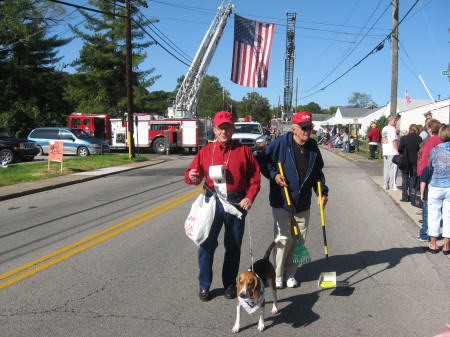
[(79, 246)]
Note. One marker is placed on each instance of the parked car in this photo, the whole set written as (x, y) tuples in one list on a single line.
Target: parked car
[(13, 149), (76, 141), (251, 134)]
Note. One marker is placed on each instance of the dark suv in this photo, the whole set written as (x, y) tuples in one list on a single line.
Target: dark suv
[(13, 149)]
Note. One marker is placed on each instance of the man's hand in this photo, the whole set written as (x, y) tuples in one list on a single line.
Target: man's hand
[(280, 180), (246, 204), (324, 200), (193, 176)]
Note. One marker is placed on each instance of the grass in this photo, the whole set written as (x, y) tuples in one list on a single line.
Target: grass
[(20, 173)]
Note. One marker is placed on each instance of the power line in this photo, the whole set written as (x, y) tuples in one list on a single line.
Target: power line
[(374, 50)]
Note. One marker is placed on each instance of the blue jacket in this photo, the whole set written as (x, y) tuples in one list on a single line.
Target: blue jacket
[(281, 150)]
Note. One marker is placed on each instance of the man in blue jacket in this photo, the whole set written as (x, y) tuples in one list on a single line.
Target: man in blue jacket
[(302, 165)]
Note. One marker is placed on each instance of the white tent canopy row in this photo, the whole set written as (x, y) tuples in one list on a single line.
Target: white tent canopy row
[(413, 113)]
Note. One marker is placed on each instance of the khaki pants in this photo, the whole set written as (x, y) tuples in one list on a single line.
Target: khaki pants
[(284, 250)]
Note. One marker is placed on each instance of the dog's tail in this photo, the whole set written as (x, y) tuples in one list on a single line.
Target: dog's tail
[(274, 242)]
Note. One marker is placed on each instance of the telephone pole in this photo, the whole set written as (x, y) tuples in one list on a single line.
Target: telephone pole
[(128, 72), (394, 58)]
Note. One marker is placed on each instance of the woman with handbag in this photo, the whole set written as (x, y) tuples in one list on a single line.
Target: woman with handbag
[(409, 146)]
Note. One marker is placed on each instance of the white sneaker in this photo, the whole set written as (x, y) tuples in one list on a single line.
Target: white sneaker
[(279, 282), (292, 283)]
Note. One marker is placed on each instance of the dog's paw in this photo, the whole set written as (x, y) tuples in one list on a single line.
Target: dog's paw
[(261, 327), (274, 311), (235, 329)]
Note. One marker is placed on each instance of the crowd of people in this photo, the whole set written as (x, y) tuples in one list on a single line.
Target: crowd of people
[(427, 151), (336, 138)]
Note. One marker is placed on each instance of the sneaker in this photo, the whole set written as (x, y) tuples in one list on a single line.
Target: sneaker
[(419, 238), (279, 282), (292, 283)]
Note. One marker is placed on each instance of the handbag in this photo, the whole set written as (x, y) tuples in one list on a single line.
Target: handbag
[(401, 161), (414, 196), (200, 218)]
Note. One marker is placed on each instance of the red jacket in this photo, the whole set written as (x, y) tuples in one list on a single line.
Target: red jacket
[(241, 168), (374, 135), (422, 160)]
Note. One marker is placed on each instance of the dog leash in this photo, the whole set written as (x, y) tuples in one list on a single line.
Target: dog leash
[(250, 252)]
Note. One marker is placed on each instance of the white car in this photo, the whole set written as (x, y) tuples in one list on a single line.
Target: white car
[(251, 134)]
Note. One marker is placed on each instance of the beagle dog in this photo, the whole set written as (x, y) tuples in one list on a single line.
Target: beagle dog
[(251, 288)]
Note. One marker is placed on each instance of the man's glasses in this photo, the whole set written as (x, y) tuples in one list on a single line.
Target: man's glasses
[(306, 128), (226, 128)]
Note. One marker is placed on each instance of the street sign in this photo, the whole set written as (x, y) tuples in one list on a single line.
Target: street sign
[(445, 72)]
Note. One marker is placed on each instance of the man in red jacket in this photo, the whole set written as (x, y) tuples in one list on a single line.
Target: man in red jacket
[(374, 136), (239, 186)]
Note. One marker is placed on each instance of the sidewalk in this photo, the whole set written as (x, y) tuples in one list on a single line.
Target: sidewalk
[(19, 190), (413, 212)]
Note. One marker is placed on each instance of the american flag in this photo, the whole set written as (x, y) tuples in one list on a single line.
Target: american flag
[(251, 52), (408, 99)]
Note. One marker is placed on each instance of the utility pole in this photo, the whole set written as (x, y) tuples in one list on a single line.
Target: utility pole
[(394, 58), (128, 71)]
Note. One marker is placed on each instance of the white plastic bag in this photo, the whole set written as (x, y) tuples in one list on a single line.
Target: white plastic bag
[(200, 218)]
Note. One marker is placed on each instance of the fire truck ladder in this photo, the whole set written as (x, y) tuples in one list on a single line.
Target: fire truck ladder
[(185, 102), (289, 64)]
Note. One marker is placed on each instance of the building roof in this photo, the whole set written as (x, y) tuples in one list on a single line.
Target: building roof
[(320, 117), (350, 112), (415, 103)]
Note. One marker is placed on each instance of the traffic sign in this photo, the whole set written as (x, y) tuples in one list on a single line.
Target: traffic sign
[(445, 72)]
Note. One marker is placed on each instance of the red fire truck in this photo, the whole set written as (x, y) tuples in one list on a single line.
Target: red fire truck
[(163, 135)]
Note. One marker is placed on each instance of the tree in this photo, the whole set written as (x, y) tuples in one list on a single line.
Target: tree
[(331, 111), (212, 97), (256, 106), (312, 107), (100, 86), (31, 90), (361, 100)]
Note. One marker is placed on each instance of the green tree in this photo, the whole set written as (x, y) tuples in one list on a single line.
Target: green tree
[(100, 84), (361, 100), (31, 90), (256, 106), (312, 107), (212, 97), (331, 111)]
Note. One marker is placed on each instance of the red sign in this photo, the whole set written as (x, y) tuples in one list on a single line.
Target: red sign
[(55, 150)]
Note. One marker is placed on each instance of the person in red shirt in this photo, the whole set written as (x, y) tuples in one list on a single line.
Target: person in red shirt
[(238, 187), (374, 137)]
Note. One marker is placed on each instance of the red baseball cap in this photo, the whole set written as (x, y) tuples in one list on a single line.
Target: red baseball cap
[(223, 117), (302, 118)]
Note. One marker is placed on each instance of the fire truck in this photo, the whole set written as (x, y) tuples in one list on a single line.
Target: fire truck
[(179, 128), (150, 131)]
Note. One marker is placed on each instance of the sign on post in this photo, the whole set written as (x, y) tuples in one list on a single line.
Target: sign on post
[(55, 152), (445, 72)]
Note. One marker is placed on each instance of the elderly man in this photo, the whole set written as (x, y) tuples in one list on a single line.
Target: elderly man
[(389, 143), (302, 165), (239, 187)]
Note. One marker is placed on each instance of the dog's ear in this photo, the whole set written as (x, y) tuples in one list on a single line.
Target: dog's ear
[(257, 287)]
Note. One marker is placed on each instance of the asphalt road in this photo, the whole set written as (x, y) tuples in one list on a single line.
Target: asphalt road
[(109, 257)]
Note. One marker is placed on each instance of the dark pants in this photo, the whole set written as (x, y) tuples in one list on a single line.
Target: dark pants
[(423, 231), (234, 231), (373, 149), (409, 180)]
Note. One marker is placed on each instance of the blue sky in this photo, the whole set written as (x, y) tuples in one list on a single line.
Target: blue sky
[(331, 37)]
